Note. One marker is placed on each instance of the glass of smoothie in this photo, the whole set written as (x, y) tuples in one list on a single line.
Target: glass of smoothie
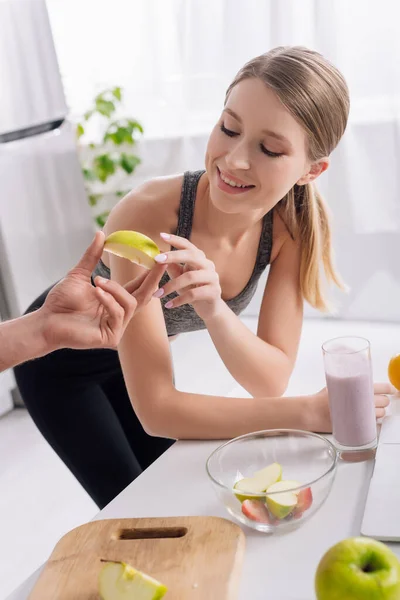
[(348, 372)]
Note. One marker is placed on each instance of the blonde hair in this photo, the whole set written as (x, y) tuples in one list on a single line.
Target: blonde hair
[(316, 94)]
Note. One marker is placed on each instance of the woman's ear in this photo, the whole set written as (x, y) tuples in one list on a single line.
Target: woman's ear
[(315, 171)]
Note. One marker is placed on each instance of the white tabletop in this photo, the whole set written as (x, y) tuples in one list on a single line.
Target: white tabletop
[(281, 566), (284, 564)]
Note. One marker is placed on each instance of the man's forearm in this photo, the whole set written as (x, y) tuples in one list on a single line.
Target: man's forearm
[(21, 340), (259, 367)]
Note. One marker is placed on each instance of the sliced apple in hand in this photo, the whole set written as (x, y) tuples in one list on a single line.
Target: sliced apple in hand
[(259, 482), (119, 581), (134, 246), (280, 499)]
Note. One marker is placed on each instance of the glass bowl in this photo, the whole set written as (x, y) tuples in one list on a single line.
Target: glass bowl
[(307, 462)]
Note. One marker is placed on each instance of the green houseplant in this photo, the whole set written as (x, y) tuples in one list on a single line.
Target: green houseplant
[(109, 159)]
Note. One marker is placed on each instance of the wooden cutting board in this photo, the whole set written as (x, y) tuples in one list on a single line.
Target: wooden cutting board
[(197, 558)]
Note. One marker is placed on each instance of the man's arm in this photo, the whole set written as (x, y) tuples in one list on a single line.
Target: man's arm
[(22, 339), (77, 314)]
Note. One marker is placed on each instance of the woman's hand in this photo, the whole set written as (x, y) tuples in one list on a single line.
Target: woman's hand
[(78, 315), (193, 278), (320, 419)]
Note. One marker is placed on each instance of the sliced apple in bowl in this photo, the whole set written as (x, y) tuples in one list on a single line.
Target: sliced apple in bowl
[(304, 501), (281, 499), (258, 483), (284, 499), (255, 510)]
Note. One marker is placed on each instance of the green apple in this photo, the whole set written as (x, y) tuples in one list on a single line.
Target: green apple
[(259, 482), (134, 246), (358, 568), (119, 581), (280, 499)]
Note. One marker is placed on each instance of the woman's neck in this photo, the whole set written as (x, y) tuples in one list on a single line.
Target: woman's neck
[(230, 229)]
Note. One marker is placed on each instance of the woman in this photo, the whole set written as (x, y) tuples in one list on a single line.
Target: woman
[(255, 205)]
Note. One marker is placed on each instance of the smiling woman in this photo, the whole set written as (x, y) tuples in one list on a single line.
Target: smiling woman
[(291, 131), (254, 205)]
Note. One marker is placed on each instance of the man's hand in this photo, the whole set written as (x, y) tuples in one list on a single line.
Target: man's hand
[(78, 315)]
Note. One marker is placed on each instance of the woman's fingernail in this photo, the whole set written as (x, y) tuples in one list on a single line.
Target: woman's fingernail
[(159, 293), (161, 258), (165, 236), (168, 304), (102, 280)]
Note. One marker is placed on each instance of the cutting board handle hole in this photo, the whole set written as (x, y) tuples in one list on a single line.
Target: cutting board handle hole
[(151, 533)]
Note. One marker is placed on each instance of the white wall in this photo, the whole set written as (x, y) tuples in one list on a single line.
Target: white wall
[(45, 221), (175, 59), (362, 190), (6, 385)]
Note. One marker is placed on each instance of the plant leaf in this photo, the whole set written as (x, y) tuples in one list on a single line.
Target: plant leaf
[(87, 115), (122, 132), (119, 135), (94, 199), (104, 166), (102, 218), (135, 125), (117, 93), (79, 130), (105, 107), (88, 174), (129, 162), (121, 193)]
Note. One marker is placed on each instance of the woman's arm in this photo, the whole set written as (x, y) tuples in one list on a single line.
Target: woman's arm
[(145, 353), (146, 362), (263, 363), (165, 411)]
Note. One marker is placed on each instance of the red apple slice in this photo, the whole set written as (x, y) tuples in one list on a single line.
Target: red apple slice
[(255, 510), (304, 501)]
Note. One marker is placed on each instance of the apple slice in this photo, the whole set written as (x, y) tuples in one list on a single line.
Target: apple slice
[(119, 581), (259, 482), (304, 501), (282, 500), (255, 510), (134, 246)]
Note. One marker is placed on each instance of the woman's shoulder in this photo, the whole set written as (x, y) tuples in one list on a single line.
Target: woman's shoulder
[(151, 207), (281, 235)]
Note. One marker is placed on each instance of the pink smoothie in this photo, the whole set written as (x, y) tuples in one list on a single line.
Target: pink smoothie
[(351, 400)]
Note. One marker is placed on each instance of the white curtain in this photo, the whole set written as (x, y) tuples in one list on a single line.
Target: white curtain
[(175, 58)]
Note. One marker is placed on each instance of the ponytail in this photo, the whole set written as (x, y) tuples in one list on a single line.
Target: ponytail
[(306, 217)]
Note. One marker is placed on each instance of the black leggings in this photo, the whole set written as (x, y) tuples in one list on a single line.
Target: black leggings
[(79, 402)]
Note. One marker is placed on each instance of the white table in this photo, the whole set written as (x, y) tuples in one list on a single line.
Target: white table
[(282, 565)]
